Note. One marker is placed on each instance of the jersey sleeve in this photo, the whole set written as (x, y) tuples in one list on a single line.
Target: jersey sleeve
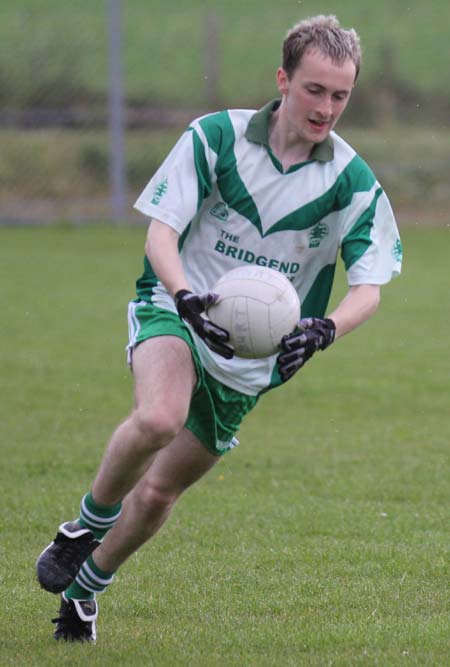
[(176, 191), (370, 243)]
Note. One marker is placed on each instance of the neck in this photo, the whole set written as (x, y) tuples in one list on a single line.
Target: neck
[(285, 142)]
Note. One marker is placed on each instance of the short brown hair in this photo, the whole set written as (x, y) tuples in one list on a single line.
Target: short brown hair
[(325, 34)]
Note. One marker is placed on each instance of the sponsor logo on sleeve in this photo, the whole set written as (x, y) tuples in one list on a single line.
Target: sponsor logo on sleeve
[(397, 251), (159, 191)]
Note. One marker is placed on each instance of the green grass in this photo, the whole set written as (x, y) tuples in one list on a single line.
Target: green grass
[(322, 540), (64, 45)]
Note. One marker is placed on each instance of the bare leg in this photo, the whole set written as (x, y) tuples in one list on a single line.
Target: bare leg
[(164, 380), (148, 505)]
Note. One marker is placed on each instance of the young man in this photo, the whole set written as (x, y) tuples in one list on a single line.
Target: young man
[(239, 185)]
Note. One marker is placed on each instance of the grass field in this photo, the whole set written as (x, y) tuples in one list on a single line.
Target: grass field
[(322, 540), (61, 46)]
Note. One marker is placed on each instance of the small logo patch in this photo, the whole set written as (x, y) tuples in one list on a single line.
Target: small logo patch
[(225, 445), (397, 251), (160, 191), (317, 234), (220, 211)]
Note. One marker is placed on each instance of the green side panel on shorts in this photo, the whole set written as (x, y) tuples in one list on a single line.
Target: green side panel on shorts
[(219, 132), (201, 420), (229, 409), (358, 240)]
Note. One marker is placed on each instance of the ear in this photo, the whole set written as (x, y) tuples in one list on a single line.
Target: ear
[(282, 81)]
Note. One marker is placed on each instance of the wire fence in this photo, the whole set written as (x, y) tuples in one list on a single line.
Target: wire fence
[(93, 95), (71, 136)]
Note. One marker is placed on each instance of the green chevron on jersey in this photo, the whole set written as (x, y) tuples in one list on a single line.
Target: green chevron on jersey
[(232, 203)]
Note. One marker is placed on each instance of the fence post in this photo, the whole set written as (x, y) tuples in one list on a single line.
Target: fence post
[(116, 115)]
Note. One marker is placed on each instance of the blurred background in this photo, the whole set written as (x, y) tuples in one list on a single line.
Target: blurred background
[(94, 94)]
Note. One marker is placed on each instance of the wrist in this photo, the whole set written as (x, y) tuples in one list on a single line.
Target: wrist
[(331, 324), (179, 294), (330, 327)]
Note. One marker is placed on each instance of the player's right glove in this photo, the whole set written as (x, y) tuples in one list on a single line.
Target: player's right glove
[(190, 306), (312, 334)]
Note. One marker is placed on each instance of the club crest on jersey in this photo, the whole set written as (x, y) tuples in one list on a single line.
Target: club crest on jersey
[(160, 191), (317, 234), (220, 211)]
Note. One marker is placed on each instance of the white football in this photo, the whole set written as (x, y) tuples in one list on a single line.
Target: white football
[(257, 306)]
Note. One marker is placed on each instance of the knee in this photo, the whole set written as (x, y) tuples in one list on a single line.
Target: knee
[(157, 428), (155, 498)]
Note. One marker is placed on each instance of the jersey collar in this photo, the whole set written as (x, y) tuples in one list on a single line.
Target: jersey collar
[(258, 132)]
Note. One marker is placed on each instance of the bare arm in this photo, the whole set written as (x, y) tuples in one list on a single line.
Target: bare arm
[(161, 248), (359, 304)]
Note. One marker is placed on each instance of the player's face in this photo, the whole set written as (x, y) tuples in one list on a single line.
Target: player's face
[(316, 95)]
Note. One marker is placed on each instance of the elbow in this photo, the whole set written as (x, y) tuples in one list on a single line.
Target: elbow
[(372, 299), (368, 297)]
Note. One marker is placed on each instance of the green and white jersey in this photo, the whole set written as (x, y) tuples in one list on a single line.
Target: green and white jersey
[(224, 191)]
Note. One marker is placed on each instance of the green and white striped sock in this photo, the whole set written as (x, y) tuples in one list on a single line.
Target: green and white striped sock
[(89, 581), (98, 518)]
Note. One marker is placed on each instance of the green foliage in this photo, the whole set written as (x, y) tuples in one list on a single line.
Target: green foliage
[(323, 539), (63, 166), (63, 46), (44, 51), (94, 161)]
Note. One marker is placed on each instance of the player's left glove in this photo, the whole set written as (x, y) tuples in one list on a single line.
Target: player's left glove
[(190, 307), (311, 334)]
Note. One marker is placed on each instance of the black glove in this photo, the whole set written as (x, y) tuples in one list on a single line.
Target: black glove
[(312, 334), (190, 306)]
